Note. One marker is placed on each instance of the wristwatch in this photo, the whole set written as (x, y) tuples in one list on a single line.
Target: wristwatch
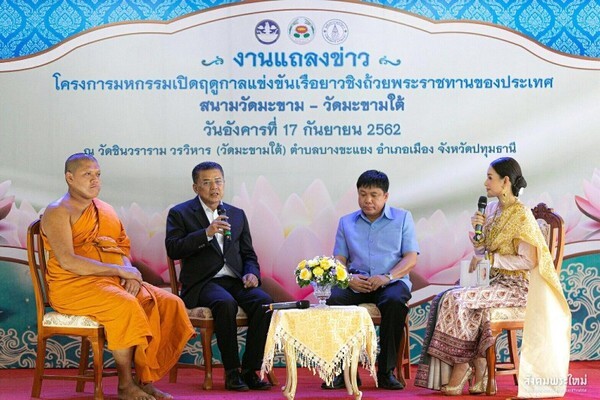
[(390, 276)]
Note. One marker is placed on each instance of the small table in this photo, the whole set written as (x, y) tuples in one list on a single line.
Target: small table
[(324, 339)]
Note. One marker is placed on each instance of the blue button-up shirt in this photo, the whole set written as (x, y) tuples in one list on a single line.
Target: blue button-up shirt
[(374, 248)]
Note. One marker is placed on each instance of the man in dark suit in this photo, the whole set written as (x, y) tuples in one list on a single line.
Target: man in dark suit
[(220, 270)]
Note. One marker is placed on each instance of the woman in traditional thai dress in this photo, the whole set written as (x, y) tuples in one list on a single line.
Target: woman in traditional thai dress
[(522, 275)]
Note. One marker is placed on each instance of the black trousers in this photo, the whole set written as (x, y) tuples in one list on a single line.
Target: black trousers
[(222, 296), (392, 303)]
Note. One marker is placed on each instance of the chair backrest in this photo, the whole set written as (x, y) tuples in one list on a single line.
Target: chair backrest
[(36, 255), (173, 276), (553, 229)]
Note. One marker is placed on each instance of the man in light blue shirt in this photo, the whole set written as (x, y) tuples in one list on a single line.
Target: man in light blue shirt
[(378, 245)]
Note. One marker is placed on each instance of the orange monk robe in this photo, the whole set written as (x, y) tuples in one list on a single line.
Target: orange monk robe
[(155, 320)]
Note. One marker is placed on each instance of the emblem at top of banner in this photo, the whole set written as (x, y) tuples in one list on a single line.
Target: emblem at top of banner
[(335, 31), (301, 30), (267, 31)]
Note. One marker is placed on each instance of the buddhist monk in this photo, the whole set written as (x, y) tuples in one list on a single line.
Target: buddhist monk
[(90, 273)]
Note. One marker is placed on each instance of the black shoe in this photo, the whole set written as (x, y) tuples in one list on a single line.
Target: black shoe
[(338, 382), (233, 381), (388, 381), (254, 382)]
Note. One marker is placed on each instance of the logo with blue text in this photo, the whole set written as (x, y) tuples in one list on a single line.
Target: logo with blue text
[(301, 30), (267, 31), (335, 31)]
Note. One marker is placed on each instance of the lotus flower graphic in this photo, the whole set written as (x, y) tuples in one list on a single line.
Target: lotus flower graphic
[(6, 203), (147, 235), (590, 204), (444, 244)]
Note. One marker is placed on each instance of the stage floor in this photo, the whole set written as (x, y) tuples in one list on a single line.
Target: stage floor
[(16, 384)]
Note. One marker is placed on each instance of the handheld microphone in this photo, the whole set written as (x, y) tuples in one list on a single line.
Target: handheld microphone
[(288, 305), (481, 204), (221, 211)]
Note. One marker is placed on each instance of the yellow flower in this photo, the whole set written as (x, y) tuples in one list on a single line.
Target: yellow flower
[(322, 270), (301, 265), (305, 274), (341, 273), (325, 263)]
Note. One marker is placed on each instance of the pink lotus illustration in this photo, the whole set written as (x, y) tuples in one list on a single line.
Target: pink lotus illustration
[(284, 233), (575, 228), (6, 202), (147, 235), (14, 220), (6, 229), (303, 226), (590, 205), (443, 245)]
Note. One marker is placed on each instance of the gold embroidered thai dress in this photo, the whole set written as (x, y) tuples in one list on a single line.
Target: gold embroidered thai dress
[(460, 329)]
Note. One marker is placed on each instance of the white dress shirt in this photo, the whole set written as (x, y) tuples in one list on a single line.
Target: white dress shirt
[(211, 215)]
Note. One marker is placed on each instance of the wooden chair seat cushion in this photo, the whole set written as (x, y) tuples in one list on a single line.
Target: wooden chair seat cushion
[(56, 319), (516, 314), (204, 313), (372, 310), (507, 314)]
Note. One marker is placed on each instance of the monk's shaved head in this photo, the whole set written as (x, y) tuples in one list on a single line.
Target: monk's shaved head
[(76, 159)]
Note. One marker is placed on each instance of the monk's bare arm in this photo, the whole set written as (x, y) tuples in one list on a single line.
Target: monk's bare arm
[(57, 227), (132, 286)]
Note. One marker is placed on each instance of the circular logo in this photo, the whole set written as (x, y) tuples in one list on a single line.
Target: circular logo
[(301, 30), (335, 31), (267, 31)]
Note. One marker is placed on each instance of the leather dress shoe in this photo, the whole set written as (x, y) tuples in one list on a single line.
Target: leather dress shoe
[(338, 382), (253, 381), (388, 381), (234, 381)]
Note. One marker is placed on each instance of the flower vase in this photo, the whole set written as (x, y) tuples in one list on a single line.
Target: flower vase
[(322, 292)]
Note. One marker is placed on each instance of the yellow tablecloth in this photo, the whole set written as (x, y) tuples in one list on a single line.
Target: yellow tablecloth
[(323, 339)]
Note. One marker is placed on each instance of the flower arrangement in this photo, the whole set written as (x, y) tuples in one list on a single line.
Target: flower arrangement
[(321, 271)]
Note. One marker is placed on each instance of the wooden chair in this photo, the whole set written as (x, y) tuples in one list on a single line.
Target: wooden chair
[(51, 323), (403, 360), (201, 318), (511, 319)]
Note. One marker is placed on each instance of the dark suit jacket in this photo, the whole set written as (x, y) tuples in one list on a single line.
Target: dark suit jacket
[(200, 258)]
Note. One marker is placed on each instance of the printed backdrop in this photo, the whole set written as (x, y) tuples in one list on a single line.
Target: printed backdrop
[(295, 99)]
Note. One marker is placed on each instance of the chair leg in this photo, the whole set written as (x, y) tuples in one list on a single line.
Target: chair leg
[(39, 367), (513, 353), (83, 363), (205, 337), (98, 348), (406, 350), (491, 365), (403, 357)]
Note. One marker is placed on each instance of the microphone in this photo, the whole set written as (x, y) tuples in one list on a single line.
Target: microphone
[(288, 305), (221, 211), (481, 204)]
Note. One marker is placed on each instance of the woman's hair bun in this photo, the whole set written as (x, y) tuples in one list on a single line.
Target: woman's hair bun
[(520, 182)]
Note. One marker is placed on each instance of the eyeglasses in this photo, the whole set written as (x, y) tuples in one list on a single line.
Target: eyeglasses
[(208, 183)]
